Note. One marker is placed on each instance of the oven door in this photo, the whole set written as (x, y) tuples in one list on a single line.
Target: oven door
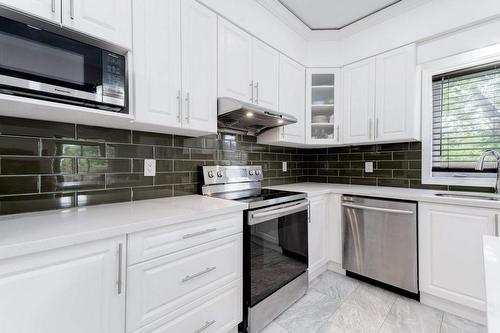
[(41, 63), (275, 248)]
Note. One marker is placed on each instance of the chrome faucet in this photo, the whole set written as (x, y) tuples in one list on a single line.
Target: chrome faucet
[(480, 165)]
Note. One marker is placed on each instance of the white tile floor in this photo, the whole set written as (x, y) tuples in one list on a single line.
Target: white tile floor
[(335, 304)]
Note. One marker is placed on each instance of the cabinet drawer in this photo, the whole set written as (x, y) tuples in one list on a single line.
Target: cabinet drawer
[(160, 286), (154, 243), (219, 311)]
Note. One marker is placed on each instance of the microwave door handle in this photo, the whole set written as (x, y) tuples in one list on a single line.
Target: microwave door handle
[(256, 218), (378, 209)]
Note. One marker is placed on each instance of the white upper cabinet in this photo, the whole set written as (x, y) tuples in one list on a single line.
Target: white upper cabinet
[(157, 62), (266, 64), (379, 98), (235, 62), (291, 101), (395, 115), (108, 20), (248, 68), (78, 289), (451, 252), (359, 101), (175, 66), (199, 66), (323, 106), (46, 9), (292, 98)]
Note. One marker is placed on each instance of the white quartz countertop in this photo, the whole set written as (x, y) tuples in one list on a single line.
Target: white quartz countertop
[(492, 273), (28, 233), (313, 189)]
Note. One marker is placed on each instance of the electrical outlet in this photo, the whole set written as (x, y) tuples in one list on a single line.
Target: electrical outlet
[(284, 166), (368, 167), (149, 168)]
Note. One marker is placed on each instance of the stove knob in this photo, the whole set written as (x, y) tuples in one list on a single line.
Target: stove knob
[(210, 174), (257, 172), (219, 173), (250, 172)]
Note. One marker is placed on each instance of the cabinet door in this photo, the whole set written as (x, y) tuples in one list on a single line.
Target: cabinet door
[(292, 98), (157, 62), (234, 62), (358, 101), (266, 63), (46, 9), (199, 66), (317, 235), (109, 20), (451, 252), (334, 229), (395, 116), (72, 289)]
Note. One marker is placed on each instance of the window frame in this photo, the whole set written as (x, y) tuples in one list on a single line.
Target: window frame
[(439, 67)]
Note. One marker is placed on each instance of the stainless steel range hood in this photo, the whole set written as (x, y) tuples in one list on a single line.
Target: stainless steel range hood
[(248, 118)]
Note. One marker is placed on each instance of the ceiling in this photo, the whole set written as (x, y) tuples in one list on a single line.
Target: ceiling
[(334, 14)]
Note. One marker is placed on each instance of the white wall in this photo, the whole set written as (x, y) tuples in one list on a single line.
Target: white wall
[(255, 19), (431, 19)]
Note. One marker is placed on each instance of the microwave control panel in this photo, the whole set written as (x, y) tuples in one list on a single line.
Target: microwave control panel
[(113, 80)]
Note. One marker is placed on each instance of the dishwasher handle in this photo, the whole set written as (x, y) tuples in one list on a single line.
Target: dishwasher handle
[(378, 209)]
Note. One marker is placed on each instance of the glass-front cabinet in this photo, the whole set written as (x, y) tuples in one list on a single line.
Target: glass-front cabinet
[(322, 105)]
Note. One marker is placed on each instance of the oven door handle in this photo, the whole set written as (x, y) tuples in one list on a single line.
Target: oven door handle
[(256, 218)]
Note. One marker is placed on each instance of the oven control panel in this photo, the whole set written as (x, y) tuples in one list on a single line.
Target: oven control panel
[(220, 174)]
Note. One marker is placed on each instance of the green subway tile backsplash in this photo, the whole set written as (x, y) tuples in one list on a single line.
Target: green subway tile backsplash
[(48, 165)]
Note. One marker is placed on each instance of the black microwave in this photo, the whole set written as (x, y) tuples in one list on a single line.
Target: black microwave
[(40, 64)]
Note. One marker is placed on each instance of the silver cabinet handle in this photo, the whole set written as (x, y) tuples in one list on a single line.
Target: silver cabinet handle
[(257, 93), (338, 133), (194, 234), (195, 275), (378, 209), (179, 106), (369, 129), (205, 326), (188, 102), (72, 9), (496, 226), (53, 6), (120, 259), (376, 128), (251, 91)]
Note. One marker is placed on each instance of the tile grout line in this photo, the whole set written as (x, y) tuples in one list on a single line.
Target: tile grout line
[(388, 313)]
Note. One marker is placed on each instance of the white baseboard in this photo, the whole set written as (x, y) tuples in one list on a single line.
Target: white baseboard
[(317, 270), (335, 267), (454, 308)]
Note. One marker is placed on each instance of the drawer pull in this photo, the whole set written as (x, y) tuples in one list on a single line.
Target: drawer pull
[(204, 327), (199, 233), (207, 270)]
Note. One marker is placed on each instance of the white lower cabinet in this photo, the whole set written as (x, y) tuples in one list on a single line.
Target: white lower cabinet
[(334, 231), (219, 311), (160, 286), (451, 252), (77, 289), (317, 235)]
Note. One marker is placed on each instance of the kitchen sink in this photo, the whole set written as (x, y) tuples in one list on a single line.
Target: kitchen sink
[(469, 196)]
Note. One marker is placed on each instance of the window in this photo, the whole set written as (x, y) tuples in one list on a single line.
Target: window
[(461, 117)]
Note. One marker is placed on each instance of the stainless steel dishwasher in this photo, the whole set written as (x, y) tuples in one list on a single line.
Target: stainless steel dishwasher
[(380, 241)]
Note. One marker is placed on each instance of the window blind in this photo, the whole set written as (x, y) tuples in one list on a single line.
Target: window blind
[(466, 118)]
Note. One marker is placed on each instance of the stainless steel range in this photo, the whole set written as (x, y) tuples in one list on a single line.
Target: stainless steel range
[(275, 257)]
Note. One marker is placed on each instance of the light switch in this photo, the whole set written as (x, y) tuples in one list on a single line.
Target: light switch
[(149, 168), (368, 167), (284, 167)]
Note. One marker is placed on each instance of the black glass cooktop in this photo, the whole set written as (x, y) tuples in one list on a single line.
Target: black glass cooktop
[(266, 194)]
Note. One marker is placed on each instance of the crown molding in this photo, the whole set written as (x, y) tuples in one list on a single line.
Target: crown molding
[(288, 18)]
